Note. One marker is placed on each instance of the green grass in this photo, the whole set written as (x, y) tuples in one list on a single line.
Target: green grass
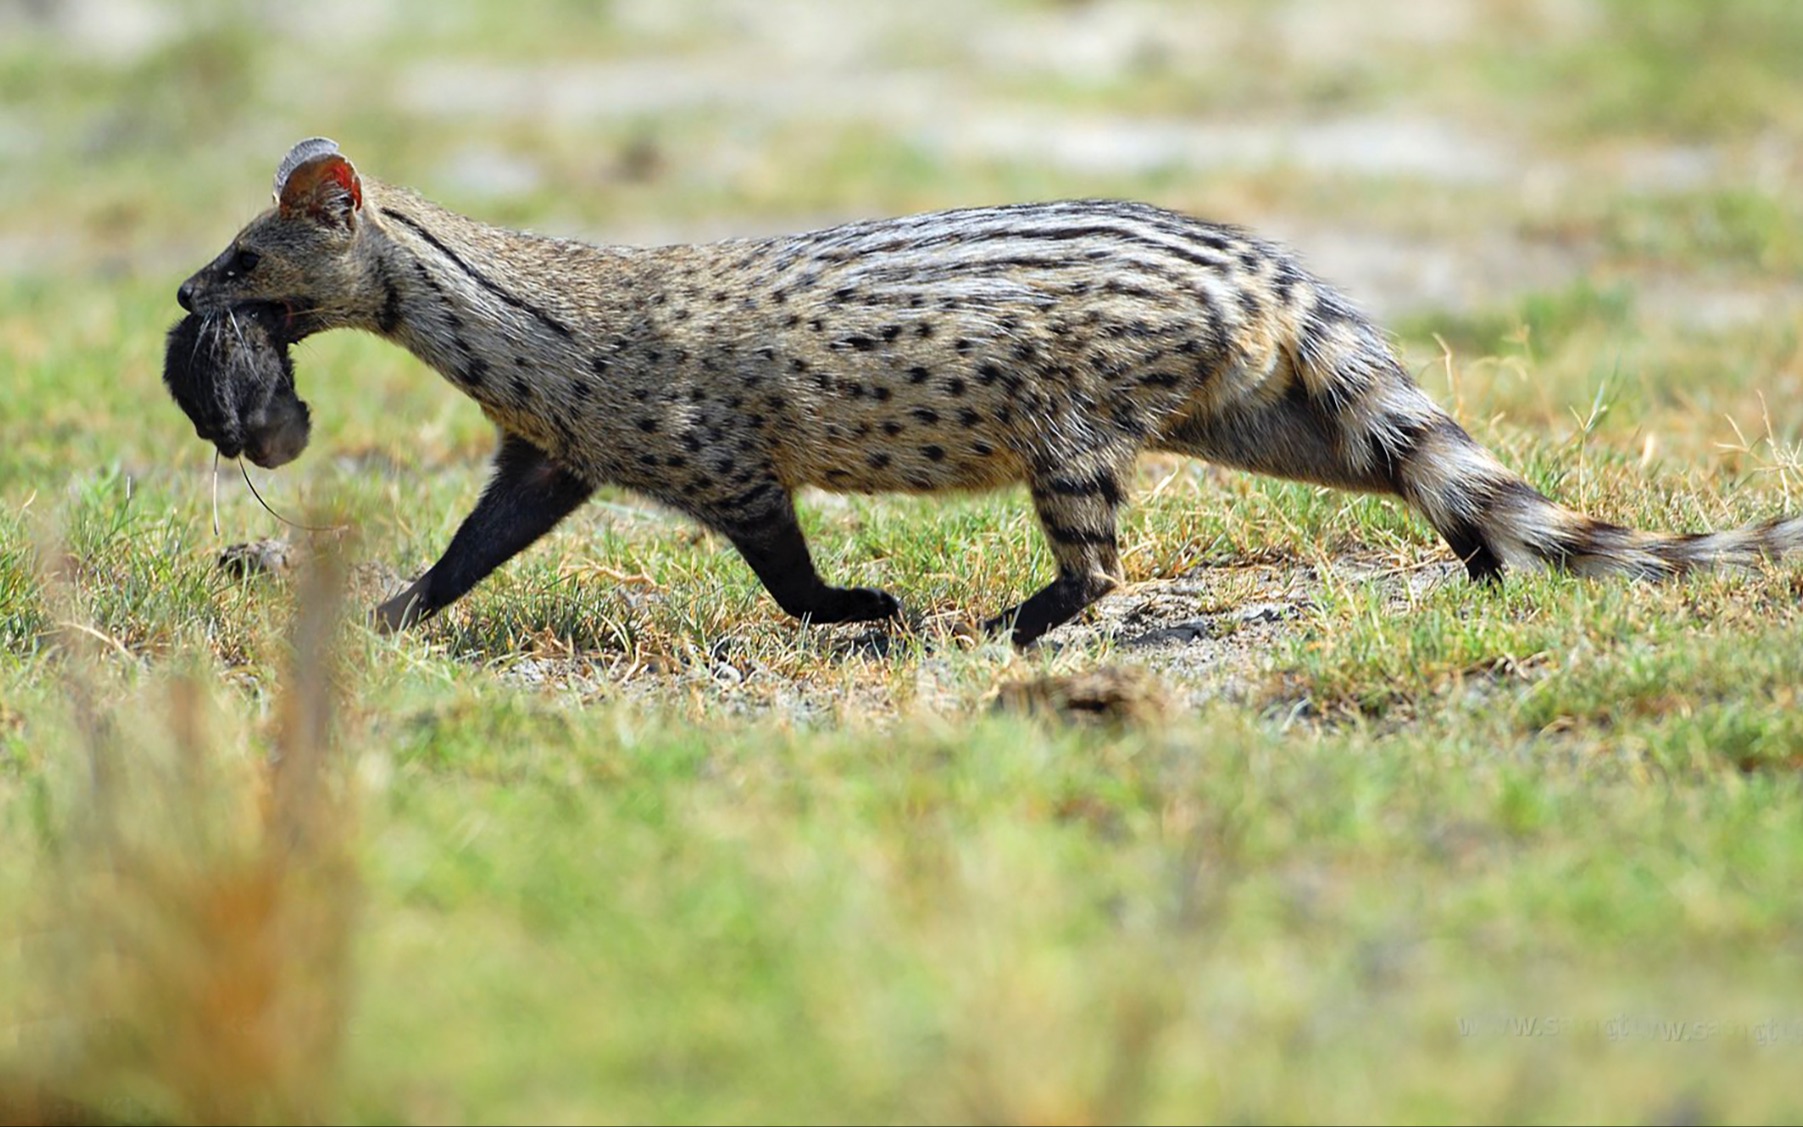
[(613, 839)]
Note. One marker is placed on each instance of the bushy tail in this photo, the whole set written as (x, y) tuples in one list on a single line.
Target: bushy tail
[(1493, 519)]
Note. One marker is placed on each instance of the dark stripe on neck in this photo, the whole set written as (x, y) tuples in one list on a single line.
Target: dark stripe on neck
[(478, 277), (389, 319)]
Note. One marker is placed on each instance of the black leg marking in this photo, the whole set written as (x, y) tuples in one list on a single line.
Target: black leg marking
[(1077, 514), (772, 544), (1052, 606), (525, 499)]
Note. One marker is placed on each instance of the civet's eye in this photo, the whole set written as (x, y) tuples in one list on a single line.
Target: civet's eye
[(243, 262)]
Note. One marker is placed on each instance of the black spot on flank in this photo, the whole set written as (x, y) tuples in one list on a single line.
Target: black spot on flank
[(968, 417), (599, 364), (640, 394), (776, 403), (926, 415), (648, 425), (691, 442), (881, 394), (797, 364), (890, 332), (1249, 260), (654, 354), (844, 293), (792, 320), (859, 342), (723, 466), (981, 449), (1160, 379), (521, 387), (519, 362), (933, 453), (877, 459), (955, 386), (675, 461), (923, 329), (1249, 304), (988, 372), (892, 428), (915, 301), (1024, 350), (918, 374), (921, 482), (648, 460), (852, 388), (582, 389), (963, 344), (476, 371)]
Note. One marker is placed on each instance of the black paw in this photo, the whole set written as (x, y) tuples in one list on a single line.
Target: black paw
[(1021, 625), (855, 604), (399, 613)]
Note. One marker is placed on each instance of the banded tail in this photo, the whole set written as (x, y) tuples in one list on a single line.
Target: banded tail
[(1338, 409), (1493, 519)]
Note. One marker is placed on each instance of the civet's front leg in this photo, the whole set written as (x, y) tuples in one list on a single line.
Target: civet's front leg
[(525, 499)]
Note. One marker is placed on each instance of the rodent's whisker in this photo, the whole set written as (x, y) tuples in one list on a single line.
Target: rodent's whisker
[(290, 523)]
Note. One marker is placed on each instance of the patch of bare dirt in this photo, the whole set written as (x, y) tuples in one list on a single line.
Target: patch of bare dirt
[(1160, 645)]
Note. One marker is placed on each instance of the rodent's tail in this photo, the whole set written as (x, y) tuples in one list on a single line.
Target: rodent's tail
[(1493, 519)]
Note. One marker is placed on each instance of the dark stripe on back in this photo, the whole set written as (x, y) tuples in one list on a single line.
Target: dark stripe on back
[(480, 279)]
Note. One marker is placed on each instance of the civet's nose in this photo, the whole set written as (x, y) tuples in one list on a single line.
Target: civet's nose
[(185, 295)]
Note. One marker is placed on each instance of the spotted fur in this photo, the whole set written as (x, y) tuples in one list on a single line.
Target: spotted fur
[(1048, 343)]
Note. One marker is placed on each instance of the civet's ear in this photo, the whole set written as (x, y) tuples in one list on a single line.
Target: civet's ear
[(314, 181)]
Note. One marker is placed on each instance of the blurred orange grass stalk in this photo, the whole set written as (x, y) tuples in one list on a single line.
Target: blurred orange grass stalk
[(195, 947)]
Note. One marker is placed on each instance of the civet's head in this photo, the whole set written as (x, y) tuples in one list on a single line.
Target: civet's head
[(302, 256), (295, 269)]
